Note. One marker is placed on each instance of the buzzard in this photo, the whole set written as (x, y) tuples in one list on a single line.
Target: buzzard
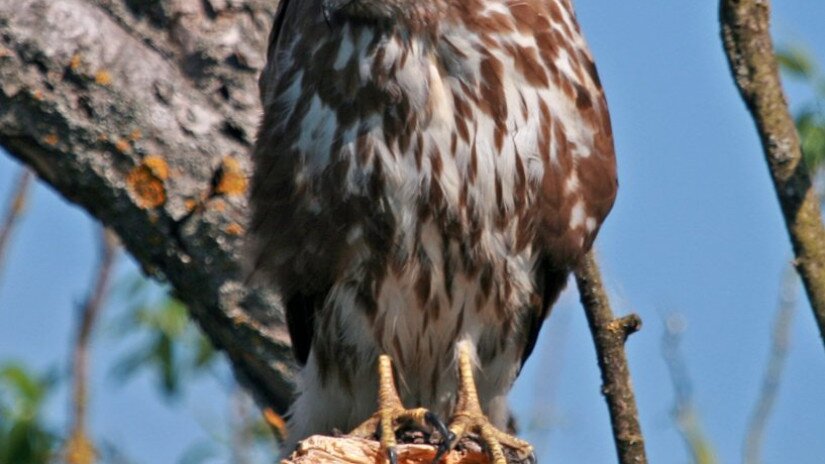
[(427, 173)]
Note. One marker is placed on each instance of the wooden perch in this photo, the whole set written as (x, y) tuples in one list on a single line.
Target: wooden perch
[(329, 450), (749, 48), (412, 449)]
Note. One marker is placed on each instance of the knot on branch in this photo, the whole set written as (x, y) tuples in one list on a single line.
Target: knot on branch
[(626, 326)]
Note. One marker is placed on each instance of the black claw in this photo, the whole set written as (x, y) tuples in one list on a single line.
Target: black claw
[(447, 437), (443, 448), (439, 425), (531, 459), (392, 455)]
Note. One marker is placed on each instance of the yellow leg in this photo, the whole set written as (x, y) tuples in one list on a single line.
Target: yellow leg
[(469, 418), (391, 412)]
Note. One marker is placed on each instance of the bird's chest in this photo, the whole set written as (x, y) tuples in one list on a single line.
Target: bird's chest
[(416, 308), (418, 127), (447, 160), (426, 161), (437, 150)]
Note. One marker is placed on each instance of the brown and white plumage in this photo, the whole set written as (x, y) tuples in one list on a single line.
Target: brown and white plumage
[(427, 172)]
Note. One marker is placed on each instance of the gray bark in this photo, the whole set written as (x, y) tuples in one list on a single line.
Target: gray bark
[(142, 113)]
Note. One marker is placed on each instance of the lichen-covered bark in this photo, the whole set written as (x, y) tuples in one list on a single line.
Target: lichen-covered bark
[(747, 40), (143, 113)]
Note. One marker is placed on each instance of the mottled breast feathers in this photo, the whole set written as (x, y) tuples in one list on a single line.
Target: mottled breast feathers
[(455, 155)]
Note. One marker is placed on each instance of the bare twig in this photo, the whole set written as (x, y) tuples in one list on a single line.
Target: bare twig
[(750, 52), (14, 210), (609, 335), (773, 372), (684, 413), (79, 449)]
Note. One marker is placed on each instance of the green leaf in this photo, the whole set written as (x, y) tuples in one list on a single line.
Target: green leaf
[(811, 127), (168, 344), (796, 61), (24, 437), (205, 352)]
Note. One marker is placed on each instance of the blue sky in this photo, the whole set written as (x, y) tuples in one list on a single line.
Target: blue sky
[(696, 230)]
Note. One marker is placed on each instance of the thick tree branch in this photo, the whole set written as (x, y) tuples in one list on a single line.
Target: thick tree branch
[(142, 113), (750, 52), (609, 335)]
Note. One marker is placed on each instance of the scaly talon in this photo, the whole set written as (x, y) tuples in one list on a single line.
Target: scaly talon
[(469, 417), (391, 411)]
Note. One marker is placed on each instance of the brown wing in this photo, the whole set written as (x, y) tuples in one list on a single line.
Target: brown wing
[(300, 308), (274, 37), (300, 320), (564, 241), (551, 282)]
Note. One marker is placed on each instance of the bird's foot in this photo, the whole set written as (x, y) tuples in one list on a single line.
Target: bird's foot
[(392, 414), (468, 418), (466, 423)]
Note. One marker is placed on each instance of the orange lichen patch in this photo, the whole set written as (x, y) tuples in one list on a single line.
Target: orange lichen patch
[(234, 229), (219, 206), (122, 145), (38, 95), (145, 182), (275, 421), (190, 204), (232, 179), (4, 52), (75, 62), (135, 135), (158, 166), (102, 77), (51, 139)]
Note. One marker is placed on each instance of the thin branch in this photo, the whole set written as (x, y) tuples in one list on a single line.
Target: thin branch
[(609, 335), (14, 210), (773, 372), (750, 52), (684, 413), (79, 449)]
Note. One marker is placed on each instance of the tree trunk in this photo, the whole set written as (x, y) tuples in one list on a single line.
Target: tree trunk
[(142, 113)]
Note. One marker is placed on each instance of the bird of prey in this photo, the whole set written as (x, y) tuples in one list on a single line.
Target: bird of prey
[(427, 173)]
